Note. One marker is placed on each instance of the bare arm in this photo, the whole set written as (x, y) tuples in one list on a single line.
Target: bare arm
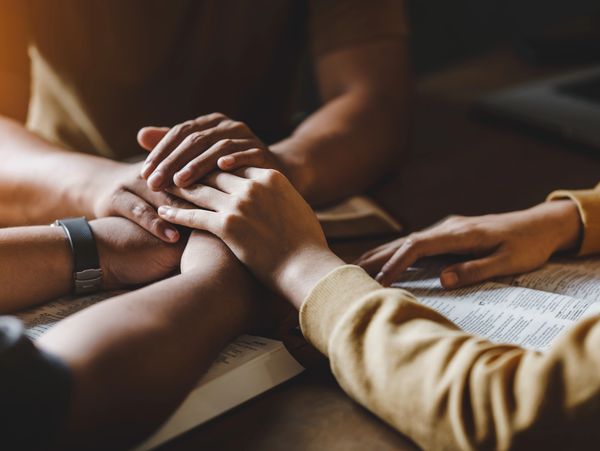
[(38, 181), (136, 356), (36, 264), (362, 127), (33, 254)]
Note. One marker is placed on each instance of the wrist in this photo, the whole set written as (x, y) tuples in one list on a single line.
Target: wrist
[(106, 255), (563, 217), (298, 172), (301, 271)]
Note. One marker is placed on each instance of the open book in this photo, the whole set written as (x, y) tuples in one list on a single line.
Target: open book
[(246, 368), (356, 217), (529, 310)]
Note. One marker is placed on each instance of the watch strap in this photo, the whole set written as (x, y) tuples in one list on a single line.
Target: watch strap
[(87, 274)]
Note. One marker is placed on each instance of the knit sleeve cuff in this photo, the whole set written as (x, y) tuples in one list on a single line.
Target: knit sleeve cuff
[(588, 203), (330, 299)]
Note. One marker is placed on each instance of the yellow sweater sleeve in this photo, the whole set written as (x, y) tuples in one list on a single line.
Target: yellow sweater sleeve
[(588, 202), (444, 388)]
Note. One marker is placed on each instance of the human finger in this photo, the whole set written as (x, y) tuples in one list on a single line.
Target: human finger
[(175, 136), (254, 157), (374, 262), (425, 244), (136, 209), (475, 271), (202, 196), (193, 218), (390, 246), (194, 163), (149, 137), (226, 182)]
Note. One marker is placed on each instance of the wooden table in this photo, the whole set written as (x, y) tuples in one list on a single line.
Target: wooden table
[(458, 164)]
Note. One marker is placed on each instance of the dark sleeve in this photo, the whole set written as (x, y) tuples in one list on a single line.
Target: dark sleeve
[(35, 390), (336, 24)]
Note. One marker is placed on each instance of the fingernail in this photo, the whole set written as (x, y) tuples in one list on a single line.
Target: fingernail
[(379, 276), (227, 160), (449, 279), (172, 234), (156, 179), (165, 211), (184, 175)]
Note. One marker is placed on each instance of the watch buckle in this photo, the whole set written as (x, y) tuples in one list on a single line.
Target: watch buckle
[(88, 280)]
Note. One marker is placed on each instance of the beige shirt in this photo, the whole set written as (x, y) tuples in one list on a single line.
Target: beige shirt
[(446, 389), (102, 69)]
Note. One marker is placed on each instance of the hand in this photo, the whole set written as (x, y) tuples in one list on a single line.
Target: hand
[(189, 151), (500, 244), (265, 223), (122, 192), (130, 256)]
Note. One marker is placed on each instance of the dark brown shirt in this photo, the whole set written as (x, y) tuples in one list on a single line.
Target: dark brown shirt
[(101, 69)]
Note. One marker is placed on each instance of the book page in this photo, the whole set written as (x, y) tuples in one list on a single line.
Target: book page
[(38, 320), (354, 217), (578, 278), (501, 313), (244, 349)]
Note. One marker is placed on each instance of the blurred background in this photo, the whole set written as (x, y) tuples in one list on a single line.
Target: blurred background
[(446, 32)]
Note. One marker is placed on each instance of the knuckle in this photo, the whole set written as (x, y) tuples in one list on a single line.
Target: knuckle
[(237, 125), (252, 187), (194, 167), (454, 218), (413, 241), (230, 221), (143, 213), (195, 138), (468, 229), (225, 143), (194, 216), (183, 129), (217, 116), (272, 177)]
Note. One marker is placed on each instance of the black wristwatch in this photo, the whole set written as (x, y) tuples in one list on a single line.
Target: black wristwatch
[(87, 275)]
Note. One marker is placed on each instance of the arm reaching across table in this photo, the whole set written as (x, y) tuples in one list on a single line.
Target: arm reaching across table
[(443, 387)]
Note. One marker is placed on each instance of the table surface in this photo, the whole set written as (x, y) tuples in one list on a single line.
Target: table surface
[(458, 164)]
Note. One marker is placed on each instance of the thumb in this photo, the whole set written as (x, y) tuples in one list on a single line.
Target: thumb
[(149, 137), (472, 272)]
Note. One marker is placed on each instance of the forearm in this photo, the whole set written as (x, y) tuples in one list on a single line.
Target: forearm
[(35, 266), (39, 181), (346, 145), (443, 387), (135, 357)]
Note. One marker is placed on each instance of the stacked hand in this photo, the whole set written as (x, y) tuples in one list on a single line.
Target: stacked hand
[(120, 191), (130, 256), (265, 223), (188, 151), (180, 155)]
